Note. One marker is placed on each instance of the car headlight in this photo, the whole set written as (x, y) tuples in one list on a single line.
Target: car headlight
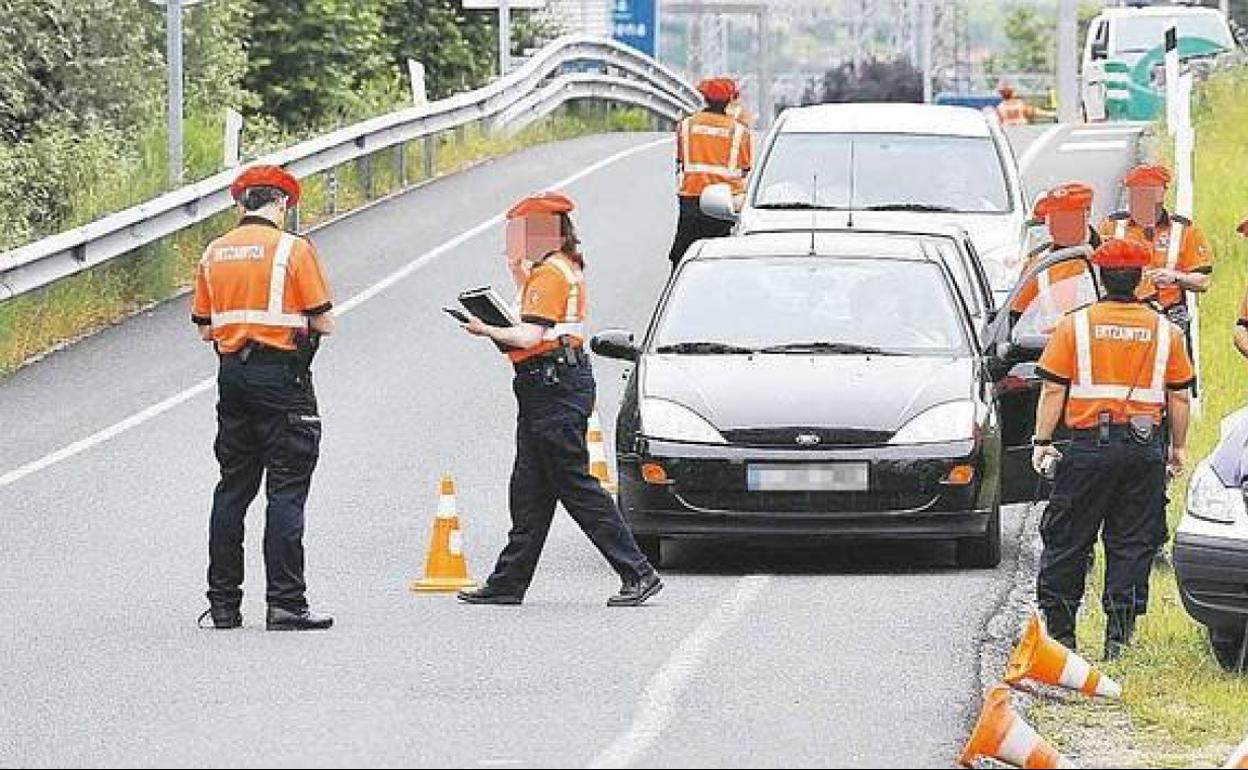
[(952, 421), (1209, 499), (663, 419)]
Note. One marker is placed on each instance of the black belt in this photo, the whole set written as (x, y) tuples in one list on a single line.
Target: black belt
[(254, 353), (556, 358), (1116, 430)]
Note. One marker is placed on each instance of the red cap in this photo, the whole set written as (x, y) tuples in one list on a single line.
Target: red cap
[(1117, 253), (1243, 228), (718, 89), (541, 203), (1072, 196), (1006, 91), (266, 176), (1147, 175)]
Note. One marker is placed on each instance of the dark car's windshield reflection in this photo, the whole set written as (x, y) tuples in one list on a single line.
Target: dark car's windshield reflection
[(803, 306)]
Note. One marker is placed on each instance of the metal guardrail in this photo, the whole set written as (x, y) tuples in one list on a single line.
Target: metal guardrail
[(568, 69)]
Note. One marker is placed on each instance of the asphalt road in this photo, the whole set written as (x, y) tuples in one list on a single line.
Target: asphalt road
[(773, 657)]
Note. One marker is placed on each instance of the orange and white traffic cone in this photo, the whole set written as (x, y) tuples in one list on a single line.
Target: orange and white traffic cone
[(1003, 735), (445, 568), (1239, 759), (598, 467), (1040, 658)]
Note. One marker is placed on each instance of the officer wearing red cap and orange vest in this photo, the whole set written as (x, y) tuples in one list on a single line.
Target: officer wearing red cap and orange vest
[(1013, 111), (1111, 371), (555, 390), (711, 148), (262, 300), (1182, 260), (1052, 292)]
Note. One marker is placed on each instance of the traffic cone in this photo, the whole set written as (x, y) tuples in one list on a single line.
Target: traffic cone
[(445, 568), (1003, 735), (1239, 759), (1040, 658), (598, 467)]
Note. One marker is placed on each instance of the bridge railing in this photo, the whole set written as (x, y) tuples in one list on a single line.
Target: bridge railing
[(568, 69)]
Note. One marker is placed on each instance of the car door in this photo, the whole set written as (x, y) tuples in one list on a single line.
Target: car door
[(1054, 286)]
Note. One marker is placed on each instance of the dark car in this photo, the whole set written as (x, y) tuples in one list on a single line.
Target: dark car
[(823, 385)]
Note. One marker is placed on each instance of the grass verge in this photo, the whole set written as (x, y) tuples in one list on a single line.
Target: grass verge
[(1181, 709), (40, 321)]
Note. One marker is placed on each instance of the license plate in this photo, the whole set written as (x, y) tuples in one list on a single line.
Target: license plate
[(839, 477)]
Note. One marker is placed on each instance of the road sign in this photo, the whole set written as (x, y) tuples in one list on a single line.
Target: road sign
[(635, 23)]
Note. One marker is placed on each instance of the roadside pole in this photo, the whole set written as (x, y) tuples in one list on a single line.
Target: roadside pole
[(1067, 63)]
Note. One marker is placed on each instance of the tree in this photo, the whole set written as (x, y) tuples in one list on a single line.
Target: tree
[(1032, 41), (315, 62), (457, 47), (874, 80)]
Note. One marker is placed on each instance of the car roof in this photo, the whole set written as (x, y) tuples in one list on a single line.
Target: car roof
[(1158, 10), (872, 118), (828, 243)]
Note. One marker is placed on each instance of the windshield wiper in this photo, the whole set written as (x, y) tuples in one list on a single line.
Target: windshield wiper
[(832, 348), (797, 206), (703, 348), (912, 207)]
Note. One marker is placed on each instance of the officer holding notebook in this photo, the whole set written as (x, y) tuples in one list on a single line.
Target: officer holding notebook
[(554, 387)]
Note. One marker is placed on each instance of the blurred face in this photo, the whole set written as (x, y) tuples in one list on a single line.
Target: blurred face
[(1068, 228), (1144, 204)]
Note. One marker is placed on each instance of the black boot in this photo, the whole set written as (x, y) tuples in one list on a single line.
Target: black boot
[(489, 595), (223, 617), (635, 592), (1119, 626), (304, 620), (1060, 625)]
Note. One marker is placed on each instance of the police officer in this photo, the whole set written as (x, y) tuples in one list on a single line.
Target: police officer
[(1181, 258), (1064, 210), (262, 301), (1110, 370), (711, 148), (1013, 111), (554, 387)]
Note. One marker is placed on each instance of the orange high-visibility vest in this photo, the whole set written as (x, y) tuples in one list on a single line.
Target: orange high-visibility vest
[(1014, 112), (554, 296), (1116, 357), (712, 149), (258, 283), (1177, 244)]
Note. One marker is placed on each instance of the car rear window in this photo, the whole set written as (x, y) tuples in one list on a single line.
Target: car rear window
[(897, 171), (753, 303)]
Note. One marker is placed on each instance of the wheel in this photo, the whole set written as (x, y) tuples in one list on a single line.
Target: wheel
[(1230, 647), (652, 547), (983, 552)]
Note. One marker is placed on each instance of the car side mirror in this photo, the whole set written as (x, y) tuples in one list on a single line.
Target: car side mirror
[(615, 343), (716, 202), (1099, 50)]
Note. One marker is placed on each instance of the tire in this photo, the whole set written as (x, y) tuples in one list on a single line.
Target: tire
[(1228, 648), (983, 552), (652, 547)]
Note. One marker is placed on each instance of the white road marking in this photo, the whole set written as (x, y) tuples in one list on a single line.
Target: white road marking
[(1035, 148), (155, 410), (1117, 144), (658, 700), (1083, 133)]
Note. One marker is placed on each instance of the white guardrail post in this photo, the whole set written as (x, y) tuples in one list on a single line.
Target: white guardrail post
[(571, 68)]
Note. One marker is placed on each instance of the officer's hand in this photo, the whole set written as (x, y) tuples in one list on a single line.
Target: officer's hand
[(1178, 460), (476, 327), (1163, 276), (1039, 453)]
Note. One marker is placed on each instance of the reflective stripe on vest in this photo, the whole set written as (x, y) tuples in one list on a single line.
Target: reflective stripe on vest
[(1120, 229), (1085, 388), (1176, 242), (571, 325), (273, 315), (732, 170)]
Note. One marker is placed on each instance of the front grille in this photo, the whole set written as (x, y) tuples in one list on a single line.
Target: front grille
[(788, 437), (812, 503)]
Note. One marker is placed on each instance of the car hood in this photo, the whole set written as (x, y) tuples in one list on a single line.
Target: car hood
[(869, 394), (1000, 239)]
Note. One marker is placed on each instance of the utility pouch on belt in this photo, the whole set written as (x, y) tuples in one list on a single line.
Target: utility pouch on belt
[(1142, 429), (1102, 428), (306, 345)]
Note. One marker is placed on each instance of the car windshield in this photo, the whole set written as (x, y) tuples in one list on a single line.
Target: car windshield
[(897, 172), (1140, 34), (810, 306)]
